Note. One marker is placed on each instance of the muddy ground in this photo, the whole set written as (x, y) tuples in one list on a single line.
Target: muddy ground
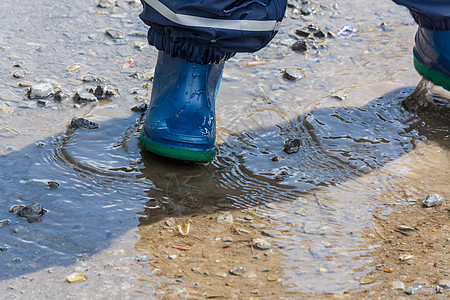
[(318, 224), (215, 250)]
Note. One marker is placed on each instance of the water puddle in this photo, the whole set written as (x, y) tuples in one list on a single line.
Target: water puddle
[(113, 200)]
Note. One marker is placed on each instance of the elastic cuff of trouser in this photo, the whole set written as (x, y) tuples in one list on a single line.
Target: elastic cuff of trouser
[(430, 23), (191, 51)]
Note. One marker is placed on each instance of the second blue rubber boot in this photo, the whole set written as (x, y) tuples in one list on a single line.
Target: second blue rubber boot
[(432, 55), (180, 122)]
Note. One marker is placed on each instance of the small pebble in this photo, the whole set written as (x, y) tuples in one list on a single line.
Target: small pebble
[(242, 230), (84, 97), (291, 146), (18, 64), (19, 74), (261, 244), (257, 226), (340, 96), (432, 200), (92, 78), (25, 84), (404, 228), (237, 271), (140, 108), (61, 96), (300, 46), (277, 158), (40, 91), (414, 289), (428, 291), (269, 232), (398, 285), (83, 123), (223, 275), (272, 277), (42, 102), (32, 212), (52, 184), (104, 91), (263, 269), (445, 284), (17, 259), (105, 4), (293, 73), (197, 270), (227, 239), (4, 222), (114, 33), (228, 219), (143, 258), (170, 222)]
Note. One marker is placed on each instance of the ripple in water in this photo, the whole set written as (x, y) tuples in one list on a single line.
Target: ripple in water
[(107, 183)]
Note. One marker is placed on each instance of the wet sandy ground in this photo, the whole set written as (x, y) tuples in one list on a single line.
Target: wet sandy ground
[(328, 224)]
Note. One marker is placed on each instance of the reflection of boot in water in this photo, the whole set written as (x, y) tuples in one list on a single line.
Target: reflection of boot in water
[(180, 122)]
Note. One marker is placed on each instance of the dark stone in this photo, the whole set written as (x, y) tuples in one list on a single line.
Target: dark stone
[(84, 97), (61, 96), (42, 102), (308, 9), (140, 108), (302, 32), (52, 184), (320, 34), (300, 46), (83, 123), (32, 212), (92, 78), (105, 91), (291, 146), (277, 158)]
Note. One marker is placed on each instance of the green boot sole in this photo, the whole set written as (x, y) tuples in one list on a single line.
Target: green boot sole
[(180, 154)]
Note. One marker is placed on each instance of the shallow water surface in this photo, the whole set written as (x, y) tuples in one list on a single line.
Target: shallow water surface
[(353, 151)]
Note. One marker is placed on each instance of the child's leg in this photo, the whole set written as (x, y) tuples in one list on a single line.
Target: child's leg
[(195, 38)]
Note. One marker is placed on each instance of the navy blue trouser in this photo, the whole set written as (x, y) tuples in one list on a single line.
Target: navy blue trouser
[(212, 31), (431, 14)]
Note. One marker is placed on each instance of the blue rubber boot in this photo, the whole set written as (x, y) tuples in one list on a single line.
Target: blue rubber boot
[(432, 55), (180, 122)]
